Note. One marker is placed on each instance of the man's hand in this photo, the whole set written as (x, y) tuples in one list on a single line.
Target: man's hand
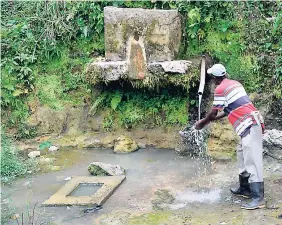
[(199, 125), (203, 122)]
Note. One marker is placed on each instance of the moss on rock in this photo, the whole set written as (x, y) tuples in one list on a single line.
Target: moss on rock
[(125, 144), (97, 170)]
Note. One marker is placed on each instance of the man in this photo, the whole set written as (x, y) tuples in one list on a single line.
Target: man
[(230, 96)]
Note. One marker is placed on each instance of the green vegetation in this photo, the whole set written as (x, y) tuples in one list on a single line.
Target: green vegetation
[(46, 45), (12, 165), (132, 108)]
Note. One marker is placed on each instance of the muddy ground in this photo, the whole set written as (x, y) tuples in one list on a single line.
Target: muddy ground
[(161, 187)]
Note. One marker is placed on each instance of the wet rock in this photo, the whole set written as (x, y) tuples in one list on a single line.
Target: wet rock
[(142, 145), (108, 142), (46, 160), (93, 209), (162, 198), (92, 143), (55, 168), (15, 216), (97, 170), (53, 148), (34, 154), (125, 144), (70, 141), (193, 141), (103, 169)]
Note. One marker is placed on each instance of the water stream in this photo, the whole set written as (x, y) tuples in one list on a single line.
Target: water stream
[(194, 141), (199, 109)]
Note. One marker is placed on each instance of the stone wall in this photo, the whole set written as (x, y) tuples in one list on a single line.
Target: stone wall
[(161, 30)]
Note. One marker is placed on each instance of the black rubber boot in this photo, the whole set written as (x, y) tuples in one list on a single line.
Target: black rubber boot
[(244, 188), (257, 189)]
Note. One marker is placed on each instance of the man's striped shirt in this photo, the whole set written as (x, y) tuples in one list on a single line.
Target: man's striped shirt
[(231, 97)]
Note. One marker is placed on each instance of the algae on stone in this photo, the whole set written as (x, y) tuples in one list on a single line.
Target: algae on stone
[(97, 170), (125, 144)]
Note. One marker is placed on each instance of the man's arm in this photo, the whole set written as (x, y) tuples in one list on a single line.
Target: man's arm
[(220, 115), (213, 115)]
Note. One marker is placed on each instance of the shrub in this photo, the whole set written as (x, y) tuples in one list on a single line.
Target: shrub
[(12, 165)]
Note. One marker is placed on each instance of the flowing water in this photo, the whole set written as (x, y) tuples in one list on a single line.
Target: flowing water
[(199, 109), (193, 140)]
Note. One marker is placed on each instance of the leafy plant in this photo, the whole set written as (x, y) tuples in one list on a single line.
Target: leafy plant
[(45, 45), (117, 96), (45, 145), (108, 122), (12, 165), (98, 102)]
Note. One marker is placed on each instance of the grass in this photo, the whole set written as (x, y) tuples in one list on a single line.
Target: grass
[(131, 108), (12, 165)]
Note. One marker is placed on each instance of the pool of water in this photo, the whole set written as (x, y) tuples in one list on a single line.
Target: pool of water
[(147, 170), (85, 189)]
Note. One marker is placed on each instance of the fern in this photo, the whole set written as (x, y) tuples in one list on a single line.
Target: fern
[(117, 96), (98, 102)]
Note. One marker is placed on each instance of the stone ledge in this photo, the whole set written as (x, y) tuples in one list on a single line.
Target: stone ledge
[(111, 71), (176, 66), (61, 196)]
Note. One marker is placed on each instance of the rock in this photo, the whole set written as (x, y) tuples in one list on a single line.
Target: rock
[(103, 169), (46, 160), (47, 120), (108, 71), (70, 141), (27, 184), (97, 171), (55, 168), (272, 143), (29, 147), (141, 145), (273, 139), (125, 144), (273, 115), (160, 29), (139, 43), (15, 216), (34, 154), (92, 143), (69, 121), (53, 148), (176, 66), (108, 142)]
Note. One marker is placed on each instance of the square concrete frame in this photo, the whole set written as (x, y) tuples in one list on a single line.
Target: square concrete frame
[(110, 183)]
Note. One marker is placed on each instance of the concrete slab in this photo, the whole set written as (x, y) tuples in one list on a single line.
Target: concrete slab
[(62, 198)]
